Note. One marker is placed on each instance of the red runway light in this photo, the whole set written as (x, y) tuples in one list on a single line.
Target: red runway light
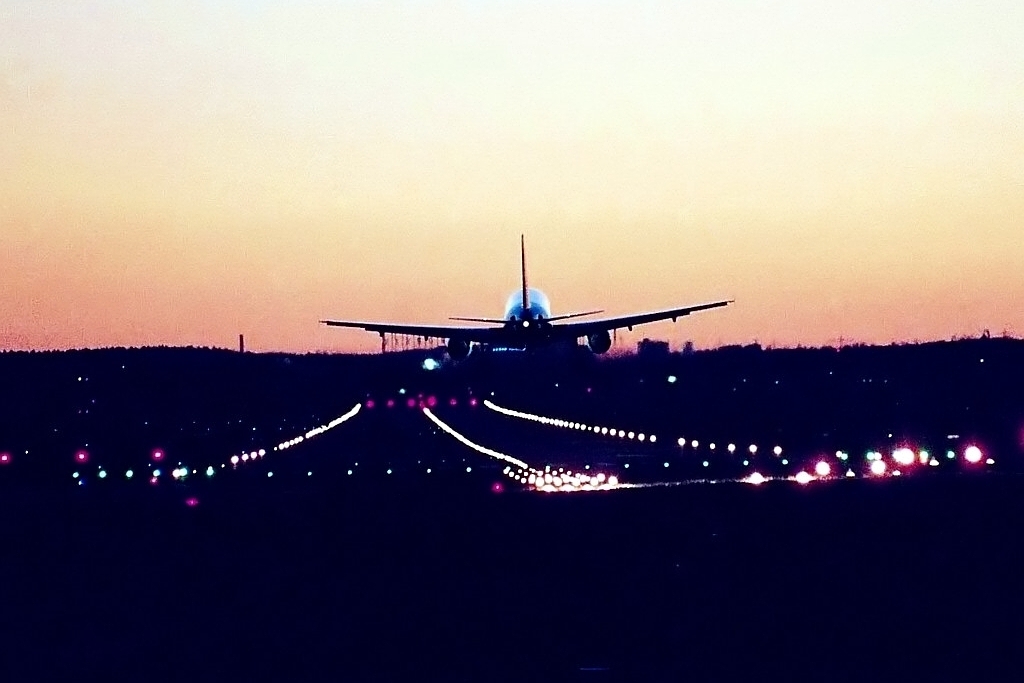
[(431, 401), (157, 455), (192, 502), (391, 403), (411, 403), (81, 456), (5, 458), (453, 402), (472, 402), (497, 487), (370, 403)]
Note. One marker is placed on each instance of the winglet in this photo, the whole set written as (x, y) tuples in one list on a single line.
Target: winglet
[(526, 292)]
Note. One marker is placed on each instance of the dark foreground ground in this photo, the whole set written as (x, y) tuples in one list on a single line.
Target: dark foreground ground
[(851, 580)]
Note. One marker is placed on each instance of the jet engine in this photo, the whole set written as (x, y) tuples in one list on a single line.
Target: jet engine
[(458, 349), (599, 342)]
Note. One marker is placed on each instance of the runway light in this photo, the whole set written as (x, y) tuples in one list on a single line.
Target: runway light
[(756, 479), (653, 438), (5, 458), (877, 468), (732, 448), (681, 442), (822, 469), (192, 502), (803, 477), (777, 450), (671, 379), (990, 461), (81, 456), (973, 454), (430, 364), (753, 449), (369, 403), (234, 459), (103, 474), (850, 474), (157, 455), (350, 473), (129, 474), (209, 471), (706, 463)]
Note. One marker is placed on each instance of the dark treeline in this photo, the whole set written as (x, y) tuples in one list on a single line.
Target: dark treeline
[(192, 398)]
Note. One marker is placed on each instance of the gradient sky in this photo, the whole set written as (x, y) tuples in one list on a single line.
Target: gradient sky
[(178, 173)]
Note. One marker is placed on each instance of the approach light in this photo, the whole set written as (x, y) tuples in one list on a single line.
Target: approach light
[(877, 467), (904, 456), (822, 469), (803, 478), (973, 454)]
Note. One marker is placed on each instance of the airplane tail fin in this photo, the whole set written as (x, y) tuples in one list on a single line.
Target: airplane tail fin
[(526, 292)]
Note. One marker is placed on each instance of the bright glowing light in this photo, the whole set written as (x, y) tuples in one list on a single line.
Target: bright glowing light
[(5, 458), (157, 455), (924, 457), (777, 450), (468, 470), (712, 446), (671, 379), (803, 477), (129, 474), (103, 474), (613, 480), (245, 457), (973, 454), (753, 449), (850, 474), (192, 502), (82, 456), (822, 469), (156, 473), (76, 475), (681, 442), (604, 430), (641, 436), (600, 478), (732, 448), (877, 467), (755, 478), (990, 461), (706, 463), (666, 464), (904, 456), (696, 444), (234, 459), (209, 471), (369, 403), (430, 364), (631, 435), (350, 473), (653, 438)]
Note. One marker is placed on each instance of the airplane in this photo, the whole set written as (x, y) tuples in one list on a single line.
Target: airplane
[(526, 324)]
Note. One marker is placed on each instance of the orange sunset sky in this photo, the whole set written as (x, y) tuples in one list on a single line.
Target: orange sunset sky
[(178, 173)]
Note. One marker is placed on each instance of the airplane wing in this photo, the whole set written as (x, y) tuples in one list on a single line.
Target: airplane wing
[(582, 329), (470, 334)]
